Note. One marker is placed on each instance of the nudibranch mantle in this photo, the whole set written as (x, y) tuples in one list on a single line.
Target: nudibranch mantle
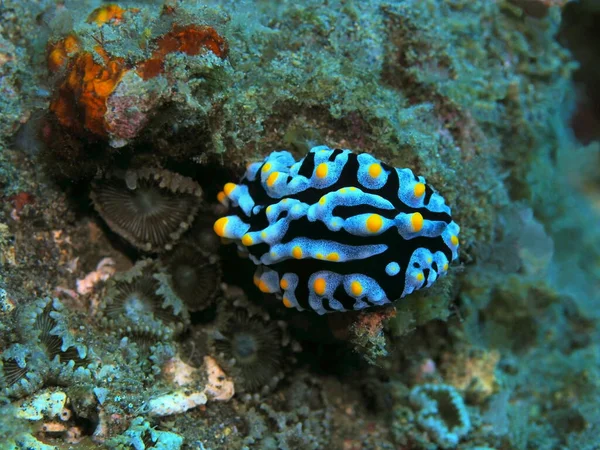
[(338, 231)]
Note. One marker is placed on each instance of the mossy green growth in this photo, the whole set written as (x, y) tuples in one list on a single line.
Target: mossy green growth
[(13, 431), (422, 306), (370, 346), (141, 435)]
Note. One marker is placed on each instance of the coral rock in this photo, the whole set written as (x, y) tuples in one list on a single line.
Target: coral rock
[(175, 403), (85, 90), (219, 387)]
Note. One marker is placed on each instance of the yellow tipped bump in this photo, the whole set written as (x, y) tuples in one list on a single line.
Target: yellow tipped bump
[(297, 252), (322, 201), (419, 277), (266, 167), (263, 234), (454, 240), (335, 256), (256, 281), (429, 260), (322, 170), (228, 188), (247, 240), (419, 189), (272, 179), (320, 286), (375, 170), (319, 256), (287, 303), (221, 197), (445, 267), (374, 223), (220, 226), (283, 284), (356, 288), (416, 221)]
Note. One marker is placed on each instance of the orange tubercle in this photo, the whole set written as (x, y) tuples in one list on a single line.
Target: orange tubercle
[(264, 287), (228, 188), (219, 226), (356, 288)]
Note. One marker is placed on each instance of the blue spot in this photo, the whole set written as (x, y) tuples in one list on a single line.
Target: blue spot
[(392, 269)]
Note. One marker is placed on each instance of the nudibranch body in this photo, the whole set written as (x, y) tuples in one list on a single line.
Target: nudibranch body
[(338, 231)]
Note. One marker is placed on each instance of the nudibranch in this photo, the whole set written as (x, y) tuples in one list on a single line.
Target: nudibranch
[(338, 231)]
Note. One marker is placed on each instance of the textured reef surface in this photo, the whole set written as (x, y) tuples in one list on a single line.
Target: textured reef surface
[(341, 146)]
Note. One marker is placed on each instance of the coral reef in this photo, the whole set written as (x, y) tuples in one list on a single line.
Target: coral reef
[(124, 323)]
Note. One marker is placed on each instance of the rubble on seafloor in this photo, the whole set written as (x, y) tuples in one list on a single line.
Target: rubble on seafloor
[(124, 323)]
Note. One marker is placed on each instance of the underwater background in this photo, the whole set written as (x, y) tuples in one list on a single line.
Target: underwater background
[(132, 313)]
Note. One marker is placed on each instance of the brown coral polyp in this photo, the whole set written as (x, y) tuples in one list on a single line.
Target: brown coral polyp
[(249, 347), (51, 342), (195, 276), (151, 209), (12, 372), (137, 300), (135, 305)]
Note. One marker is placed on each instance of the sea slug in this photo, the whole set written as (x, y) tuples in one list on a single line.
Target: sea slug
[(338, 231)]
